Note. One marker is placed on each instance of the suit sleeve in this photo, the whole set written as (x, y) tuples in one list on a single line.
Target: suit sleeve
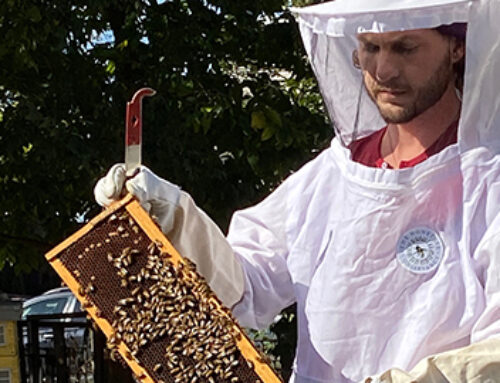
[(258, 236)]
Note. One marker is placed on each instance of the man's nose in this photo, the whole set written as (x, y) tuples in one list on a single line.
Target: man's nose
[(386, 67)]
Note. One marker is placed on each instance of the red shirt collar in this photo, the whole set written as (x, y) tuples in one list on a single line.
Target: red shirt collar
[(367, 150)]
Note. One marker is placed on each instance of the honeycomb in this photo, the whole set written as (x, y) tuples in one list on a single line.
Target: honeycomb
[(158, 314)]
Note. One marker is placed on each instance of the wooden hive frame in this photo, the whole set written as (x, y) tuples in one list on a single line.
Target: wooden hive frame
[(91, 263)]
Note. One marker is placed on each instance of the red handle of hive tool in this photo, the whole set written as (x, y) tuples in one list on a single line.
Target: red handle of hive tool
[(133, 129), (134, 116)]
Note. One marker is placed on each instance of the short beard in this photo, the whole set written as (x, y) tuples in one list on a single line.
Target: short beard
[(426, 96)]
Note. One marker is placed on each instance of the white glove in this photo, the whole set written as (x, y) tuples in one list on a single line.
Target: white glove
[(157, 196), (193, 234), (109, 188), (478, 362)]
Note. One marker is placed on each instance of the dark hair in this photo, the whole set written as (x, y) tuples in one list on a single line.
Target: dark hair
[(459, 32)]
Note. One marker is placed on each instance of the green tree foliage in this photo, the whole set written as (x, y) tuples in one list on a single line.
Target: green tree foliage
[(236, 111), (236, 108)]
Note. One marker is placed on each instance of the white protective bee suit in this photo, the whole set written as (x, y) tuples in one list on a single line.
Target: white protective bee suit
[(391, 270)]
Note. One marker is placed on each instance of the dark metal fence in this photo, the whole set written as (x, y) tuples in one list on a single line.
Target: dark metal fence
[(61, 348)]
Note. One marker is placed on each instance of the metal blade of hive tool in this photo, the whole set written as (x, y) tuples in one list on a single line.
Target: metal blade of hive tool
[(133, 130)]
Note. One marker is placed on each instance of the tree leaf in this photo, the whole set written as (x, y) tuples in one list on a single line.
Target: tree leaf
[(267, 133), (259, 120)]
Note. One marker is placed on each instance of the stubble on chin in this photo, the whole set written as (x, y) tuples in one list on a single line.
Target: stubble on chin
[(422, 98), (397, 114)]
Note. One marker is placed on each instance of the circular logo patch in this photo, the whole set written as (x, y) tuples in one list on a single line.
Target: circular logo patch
[(420, 250)]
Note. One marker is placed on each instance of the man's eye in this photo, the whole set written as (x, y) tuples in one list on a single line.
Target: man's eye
[(405, 49), (370, 48)]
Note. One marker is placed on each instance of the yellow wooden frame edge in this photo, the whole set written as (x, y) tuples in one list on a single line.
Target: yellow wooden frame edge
[(88, 227)]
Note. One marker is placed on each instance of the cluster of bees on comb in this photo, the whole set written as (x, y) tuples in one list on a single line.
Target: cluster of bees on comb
[(162, 310)]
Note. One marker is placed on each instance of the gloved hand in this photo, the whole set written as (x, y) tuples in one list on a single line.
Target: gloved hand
[(478, 362), (109, 188), (189, 229), (156, 195)]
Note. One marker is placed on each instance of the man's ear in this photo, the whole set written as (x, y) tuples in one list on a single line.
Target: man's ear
[(355, 59), (457, 48)]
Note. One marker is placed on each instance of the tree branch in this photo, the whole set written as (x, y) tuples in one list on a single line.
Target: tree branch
[(23, 240)]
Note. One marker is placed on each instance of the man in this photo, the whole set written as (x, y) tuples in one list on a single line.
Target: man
[(411, 78), (388, 240)]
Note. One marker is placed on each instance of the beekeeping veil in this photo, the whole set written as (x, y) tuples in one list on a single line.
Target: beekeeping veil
[(329, 33)]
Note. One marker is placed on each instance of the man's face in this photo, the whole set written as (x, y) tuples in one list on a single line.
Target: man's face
[(405, 73)]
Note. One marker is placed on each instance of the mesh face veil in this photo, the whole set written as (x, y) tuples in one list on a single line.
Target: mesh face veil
[(329, 33)]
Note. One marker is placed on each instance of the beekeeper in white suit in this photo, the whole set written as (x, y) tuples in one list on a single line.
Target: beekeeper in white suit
[(388, 241)]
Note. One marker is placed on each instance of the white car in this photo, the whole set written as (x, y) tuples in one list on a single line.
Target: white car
[(55, 301)]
